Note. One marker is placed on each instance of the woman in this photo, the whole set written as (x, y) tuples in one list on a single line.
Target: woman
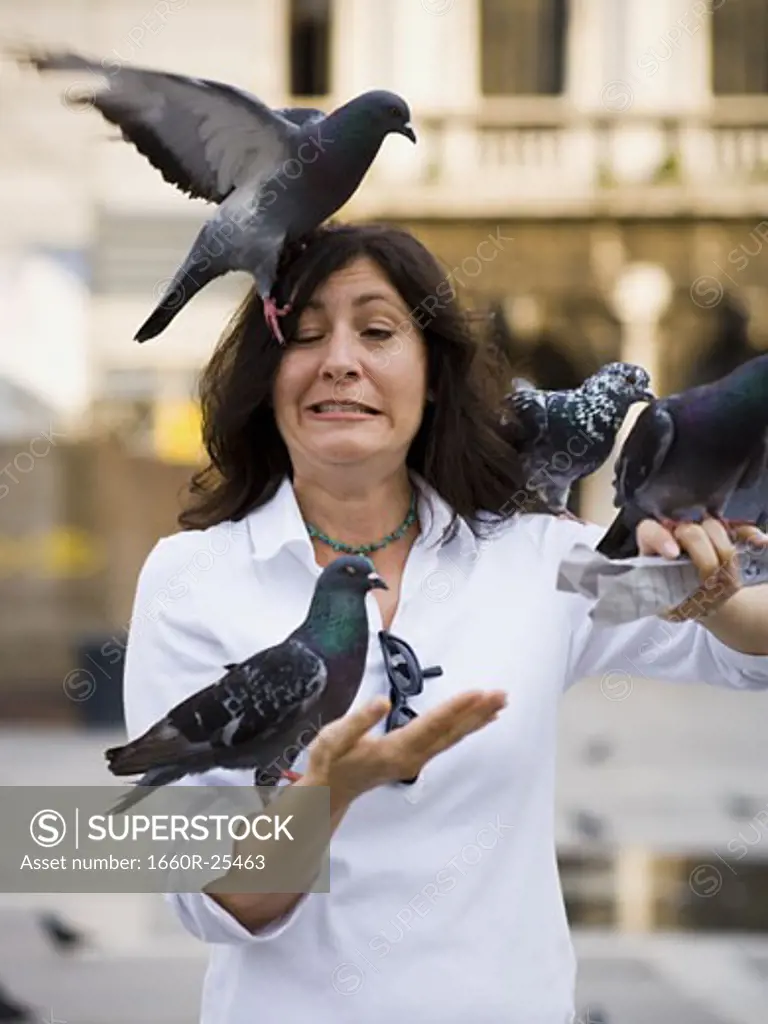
[(445, 904)]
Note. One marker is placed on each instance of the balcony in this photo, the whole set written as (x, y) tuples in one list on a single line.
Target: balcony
[(539, 157)]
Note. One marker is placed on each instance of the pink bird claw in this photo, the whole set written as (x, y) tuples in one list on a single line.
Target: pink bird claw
[(271, 314), (291, 775), (671, 524)]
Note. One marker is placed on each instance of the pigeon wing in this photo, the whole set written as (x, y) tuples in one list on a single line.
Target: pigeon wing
[(251, 701), (302, 117), (644, 451), (256, 697), (525, 414), (756, 467), (205, 137)]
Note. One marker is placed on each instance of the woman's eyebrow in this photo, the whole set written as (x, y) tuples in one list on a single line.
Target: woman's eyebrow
[(317, 305), (366, 297)]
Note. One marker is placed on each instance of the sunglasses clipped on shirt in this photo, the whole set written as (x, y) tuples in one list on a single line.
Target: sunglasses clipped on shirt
[(406, 679)]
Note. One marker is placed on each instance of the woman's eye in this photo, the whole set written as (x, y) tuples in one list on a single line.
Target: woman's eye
[(306, 339), (378, 333)]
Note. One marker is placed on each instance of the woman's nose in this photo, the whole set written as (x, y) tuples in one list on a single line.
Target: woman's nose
[(341, 357)]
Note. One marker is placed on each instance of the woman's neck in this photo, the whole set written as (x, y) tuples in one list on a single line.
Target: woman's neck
[(355, 512)]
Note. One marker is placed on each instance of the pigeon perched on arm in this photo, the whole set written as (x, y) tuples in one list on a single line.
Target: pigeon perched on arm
[(691, 453), (563, 436), (276, 174), (260, 706)]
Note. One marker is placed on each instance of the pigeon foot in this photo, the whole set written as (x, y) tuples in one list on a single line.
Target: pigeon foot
[(271, 314), (672, 524), (291, 775), (731, 525)]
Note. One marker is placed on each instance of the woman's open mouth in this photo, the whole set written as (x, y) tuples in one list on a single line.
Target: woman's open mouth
[(342, 410)]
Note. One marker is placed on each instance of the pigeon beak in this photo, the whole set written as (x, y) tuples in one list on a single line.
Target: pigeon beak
[(408, 131), (376, 582), (648, 396)]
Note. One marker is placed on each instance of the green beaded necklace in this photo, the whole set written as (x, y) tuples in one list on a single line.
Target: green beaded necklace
[(366, 549)]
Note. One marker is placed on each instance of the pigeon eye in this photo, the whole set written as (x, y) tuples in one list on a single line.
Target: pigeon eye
[(395, 111)]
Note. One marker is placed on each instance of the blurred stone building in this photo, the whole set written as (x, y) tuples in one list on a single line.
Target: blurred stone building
[(595, 172)]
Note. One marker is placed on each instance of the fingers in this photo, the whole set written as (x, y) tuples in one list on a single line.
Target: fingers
[(339, 737), (476, 718), (654, 539), (441, 727), (711, 549), (752, 535), (707, 544)]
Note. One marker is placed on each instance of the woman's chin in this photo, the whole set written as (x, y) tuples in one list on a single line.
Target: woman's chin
[(344, 451)]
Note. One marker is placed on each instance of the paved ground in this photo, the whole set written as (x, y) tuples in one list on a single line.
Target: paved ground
[(661, 981), (659, 764)]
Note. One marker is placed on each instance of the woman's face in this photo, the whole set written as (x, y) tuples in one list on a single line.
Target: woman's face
[(352, 383)]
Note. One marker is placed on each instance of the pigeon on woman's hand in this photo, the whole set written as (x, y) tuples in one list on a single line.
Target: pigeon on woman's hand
[(563, 436), (260, 707), (690, 453), (276, 174)]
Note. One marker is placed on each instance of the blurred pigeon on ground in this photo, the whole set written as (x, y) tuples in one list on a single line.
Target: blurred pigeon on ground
[(588, 825), (62, 935), (260, 707), (741, 807), (276, 174), (597, 750), (12, 1011), (689, 453), (563, 436), (593, 1015)]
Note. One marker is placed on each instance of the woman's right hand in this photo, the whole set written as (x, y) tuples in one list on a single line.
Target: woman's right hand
[(348, 760)]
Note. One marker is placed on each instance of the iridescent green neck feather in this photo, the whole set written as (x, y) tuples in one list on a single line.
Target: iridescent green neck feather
[(337, 621)]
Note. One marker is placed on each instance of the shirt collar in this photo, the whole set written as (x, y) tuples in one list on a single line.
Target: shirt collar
[(278, 524)]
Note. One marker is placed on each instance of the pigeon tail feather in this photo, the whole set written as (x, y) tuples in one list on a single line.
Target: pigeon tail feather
[(143, 788), (618, 541), (188, 280), (174, 300), (147, 752)]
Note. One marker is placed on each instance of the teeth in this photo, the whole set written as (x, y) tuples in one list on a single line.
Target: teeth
[(336, 406)]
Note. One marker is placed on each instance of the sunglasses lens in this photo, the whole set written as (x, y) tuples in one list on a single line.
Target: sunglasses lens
[(404, 670), (399, 716)]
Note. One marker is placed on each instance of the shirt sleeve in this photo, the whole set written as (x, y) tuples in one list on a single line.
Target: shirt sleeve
[(649, 648), (170, 655)]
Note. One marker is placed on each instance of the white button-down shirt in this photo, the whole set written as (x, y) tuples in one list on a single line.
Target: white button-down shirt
[(445, 904)]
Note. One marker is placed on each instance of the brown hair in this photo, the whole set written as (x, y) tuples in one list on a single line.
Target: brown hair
[(458, 449)]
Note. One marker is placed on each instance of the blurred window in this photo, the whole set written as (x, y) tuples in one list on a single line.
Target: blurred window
[(740, 48), (310, 42), (523, 47)]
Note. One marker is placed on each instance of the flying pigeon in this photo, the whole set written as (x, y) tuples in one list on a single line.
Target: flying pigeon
[(691, 453), (562, 436), (259, 707), (276, 174)]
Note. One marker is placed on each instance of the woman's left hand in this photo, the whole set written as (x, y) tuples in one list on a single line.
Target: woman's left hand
[(711, 550)]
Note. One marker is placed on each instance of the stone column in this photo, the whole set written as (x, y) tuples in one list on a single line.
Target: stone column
[(634, 890), (270, 70), (640, 298), (649, 58), (435, 59)]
